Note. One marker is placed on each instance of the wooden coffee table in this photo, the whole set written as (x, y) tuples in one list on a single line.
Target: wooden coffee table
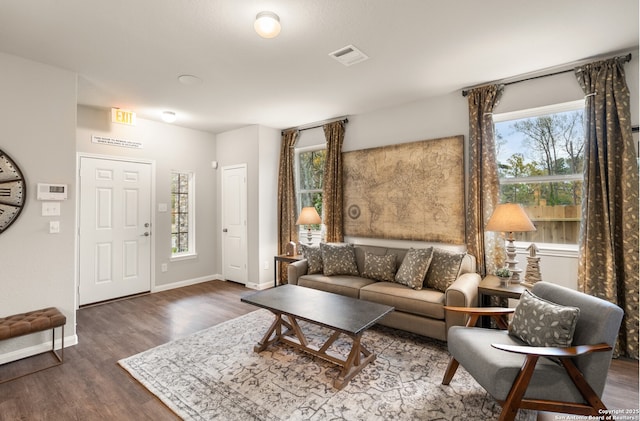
[(343, 315)]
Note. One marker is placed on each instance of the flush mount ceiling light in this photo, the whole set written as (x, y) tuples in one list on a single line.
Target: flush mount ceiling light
[(168, 116), (267, 24)]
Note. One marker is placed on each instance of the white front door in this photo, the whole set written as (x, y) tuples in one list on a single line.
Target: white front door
[(115, 229), (234, 223)]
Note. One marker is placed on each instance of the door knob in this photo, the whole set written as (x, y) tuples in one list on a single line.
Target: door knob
[(146, 234), (224, 230)]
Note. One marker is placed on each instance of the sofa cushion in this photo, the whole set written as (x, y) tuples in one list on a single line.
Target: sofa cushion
[(379, 268), (539, 322), (340, 284), (444, 269), (425, 302), (314, 258), (338, 259), (414, 267)]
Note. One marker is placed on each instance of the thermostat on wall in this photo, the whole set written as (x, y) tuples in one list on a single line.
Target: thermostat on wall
[(52, 191)]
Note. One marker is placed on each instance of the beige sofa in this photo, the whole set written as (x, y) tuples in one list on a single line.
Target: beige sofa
[(418, 311)]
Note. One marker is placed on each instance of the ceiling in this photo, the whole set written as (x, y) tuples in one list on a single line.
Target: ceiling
[(129, 53)]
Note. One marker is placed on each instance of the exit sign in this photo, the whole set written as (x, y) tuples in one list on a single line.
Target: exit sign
[(123, 117)]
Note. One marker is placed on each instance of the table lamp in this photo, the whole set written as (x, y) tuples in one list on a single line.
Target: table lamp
[(510, 217), (308, 216)]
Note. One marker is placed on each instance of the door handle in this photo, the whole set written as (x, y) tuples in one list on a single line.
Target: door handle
[(146, 234), (224, 230)]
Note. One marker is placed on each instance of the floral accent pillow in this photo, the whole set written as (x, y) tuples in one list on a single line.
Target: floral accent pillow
[(314, 258), (414, 267), (380, 268), (444, 269), (539, 322), (338, 259)]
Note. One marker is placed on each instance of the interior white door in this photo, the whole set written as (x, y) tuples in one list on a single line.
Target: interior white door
[(234, 223), (115, 229)]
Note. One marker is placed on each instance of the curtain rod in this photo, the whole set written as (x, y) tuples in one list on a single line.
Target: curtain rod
[(344, 120), (465, 91)]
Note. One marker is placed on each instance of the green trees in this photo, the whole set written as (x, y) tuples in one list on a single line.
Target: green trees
[(547, 149)]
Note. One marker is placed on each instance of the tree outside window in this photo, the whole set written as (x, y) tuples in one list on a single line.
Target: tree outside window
[(310, 175), (540, 160), (182, 238)]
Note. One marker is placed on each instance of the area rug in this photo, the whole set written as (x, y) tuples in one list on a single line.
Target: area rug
[(215, 374)]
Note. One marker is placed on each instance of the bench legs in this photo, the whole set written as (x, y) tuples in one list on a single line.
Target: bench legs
[(58, 355)]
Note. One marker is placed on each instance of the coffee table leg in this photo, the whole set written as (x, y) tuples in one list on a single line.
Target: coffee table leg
[(275, 330), (354, 363)]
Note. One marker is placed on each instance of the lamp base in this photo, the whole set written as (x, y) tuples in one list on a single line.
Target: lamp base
[(511, 260)]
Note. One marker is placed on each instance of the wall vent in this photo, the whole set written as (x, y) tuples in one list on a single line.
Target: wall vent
[(349, 55)]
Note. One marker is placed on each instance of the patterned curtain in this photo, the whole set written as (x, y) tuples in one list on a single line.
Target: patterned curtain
[(287, 230), (608, 249), (333, 213), (484, 186)]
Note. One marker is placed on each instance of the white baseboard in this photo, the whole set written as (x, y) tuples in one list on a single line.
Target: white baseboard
[(261, 286), (21, 353), (186, 282)]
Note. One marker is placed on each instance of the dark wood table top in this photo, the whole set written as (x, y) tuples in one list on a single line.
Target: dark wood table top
[(334, 311)]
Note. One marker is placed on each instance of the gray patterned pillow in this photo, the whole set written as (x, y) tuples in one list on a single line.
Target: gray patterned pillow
[(380, 268), (539, 322), (414, 267), (338, 259), (314, 258), (444, 269)]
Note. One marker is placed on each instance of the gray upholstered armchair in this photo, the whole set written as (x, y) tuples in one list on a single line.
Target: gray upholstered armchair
[(552, 357)]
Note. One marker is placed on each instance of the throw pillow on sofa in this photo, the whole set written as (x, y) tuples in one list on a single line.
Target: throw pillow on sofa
[(338, 259), (379, 268), (539, 322), (314, 258), (444, 269), (414, 267)]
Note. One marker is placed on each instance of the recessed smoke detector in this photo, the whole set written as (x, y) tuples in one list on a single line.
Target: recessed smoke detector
[(349, 55)]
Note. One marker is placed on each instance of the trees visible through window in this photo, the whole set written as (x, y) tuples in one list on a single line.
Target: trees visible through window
[(540, 155), (182, 229), (310, 164)]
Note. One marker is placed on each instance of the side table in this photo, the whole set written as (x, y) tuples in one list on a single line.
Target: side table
[(490, 286), (283, 258)]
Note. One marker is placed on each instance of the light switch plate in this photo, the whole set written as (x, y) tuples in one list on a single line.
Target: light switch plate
[(50, 208)]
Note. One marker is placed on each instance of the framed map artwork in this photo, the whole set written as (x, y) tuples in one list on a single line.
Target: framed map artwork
[(409, 191)]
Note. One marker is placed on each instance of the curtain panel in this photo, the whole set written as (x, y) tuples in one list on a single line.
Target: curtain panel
[(332, 185), (287, 230), (608, 245), (484, 186)]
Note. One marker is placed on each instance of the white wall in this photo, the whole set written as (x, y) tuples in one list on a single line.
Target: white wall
[(170, 147), (37, 129), (258, 147)]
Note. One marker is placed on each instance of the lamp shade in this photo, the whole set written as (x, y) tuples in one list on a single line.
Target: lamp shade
[(308, 216), (509, 217)]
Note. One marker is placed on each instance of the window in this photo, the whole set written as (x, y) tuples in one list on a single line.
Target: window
[(310, 171), (540, 155), (182, 214)]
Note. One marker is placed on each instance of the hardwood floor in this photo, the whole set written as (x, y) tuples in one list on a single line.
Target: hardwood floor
[(91, 386)]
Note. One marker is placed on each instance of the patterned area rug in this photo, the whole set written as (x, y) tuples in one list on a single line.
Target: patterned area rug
[(214, 374)]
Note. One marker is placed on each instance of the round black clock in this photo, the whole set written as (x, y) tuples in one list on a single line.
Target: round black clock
[(13, 191)]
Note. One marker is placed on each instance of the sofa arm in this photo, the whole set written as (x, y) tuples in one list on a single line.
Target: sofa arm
[(462, 293), (295, 270)]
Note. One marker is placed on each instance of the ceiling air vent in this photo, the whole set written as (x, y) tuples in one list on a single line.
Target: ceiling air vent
[(349, 55)]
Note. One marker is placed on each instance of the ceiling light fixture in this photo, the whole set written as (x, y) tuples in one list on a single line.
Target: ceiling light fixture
[(267, 24), (168, 116)]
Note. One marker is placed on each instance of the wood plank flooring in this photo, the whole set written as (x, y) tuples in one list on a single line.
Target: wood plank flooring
[(91, 386)]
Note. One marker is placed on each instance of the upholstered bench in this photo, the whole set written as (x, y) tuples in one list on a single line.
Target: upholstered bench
[(33, 322)]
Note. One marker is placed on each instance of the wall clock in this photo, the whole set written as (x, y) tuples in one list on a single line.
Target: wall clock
[(13, 191)]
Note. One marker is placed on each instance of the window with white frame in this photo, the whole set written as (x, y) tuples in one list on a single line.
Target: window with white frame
[(309, 174), (540, 154), (182, 214)]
